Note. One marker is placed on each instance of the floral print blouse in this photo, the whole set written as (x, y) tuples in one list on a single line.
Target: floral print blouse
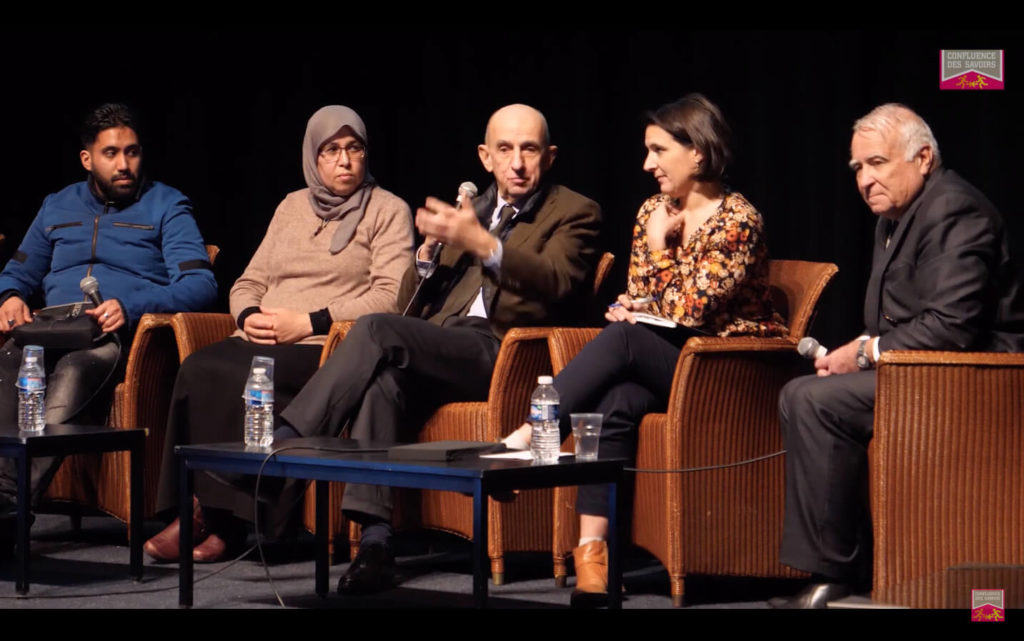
[(717, 282)]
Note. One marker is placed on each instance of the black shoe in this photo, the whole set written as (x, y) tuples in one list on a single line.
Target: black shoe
[(373, 570), (815, 596)]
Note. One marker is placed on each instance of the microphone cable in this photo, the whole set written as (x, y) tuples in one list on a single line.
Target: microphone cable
[(705, 468), (295, 502), (81, 595)]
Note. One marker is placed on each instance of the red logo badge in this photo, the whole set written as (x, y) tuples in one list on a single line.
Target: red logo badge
[(987, 605), (971, 69)]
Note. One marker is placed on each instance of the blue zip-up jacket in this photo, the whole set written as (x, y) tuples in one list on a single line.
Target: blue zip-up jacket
[(148, 254)]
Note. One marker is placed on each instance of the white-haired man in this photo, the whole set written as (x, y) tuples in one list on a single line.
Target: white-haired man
[(941, 279)]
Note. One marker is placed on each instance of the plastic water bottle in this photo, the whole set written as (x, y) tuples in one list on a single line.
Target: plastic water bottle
[(31, 390), (546, 440), (259, 409)]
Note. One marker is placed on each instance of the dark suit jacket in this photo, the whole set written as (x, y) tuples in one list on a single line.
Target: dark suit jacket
[(946, 281), (547, 261)]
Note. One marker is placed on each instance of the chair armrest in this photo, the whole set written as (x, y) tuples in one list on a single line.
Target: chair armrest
[(566, 342), (723, 407), (456, 422), (151, 360), (196, 330), (946, 464), (142, 343), (981, 359), (339, 329), (523, 357), (708, 367)]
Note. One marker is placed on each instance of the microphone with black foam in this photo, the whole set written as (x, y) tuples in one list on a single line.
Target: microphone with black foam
[(91, 288), (810, 348)]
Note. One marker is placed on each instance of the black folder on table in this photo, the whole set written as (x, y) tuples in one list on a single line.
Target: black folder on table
[(443, 450)]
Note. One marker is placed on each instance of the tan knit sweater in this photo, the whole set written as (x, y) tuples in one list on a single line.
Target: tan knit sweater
[(294, 269)]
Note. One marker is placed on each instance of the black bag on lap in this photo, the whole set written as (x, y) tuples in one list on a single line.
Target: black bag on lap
[(60, 327)]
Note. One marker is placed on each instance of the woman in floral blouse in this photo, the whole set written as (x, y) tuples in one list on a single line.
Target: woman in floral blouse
[(698, 259)]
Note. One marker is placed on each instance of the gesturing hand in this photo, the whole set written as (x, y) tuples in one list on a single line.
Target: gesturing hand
[(456, 227)]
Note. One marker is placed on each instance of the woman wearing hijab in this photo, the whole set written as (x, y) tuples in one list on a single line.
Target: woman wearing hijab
[(334, 251)]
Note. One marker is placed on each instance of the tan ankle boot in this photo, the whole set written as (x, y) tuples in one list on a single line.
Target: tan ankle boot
[(591, 561)]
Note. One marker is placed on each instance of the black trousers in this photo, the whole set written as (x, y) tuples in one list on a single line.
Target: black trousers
[(827, 424), (78, 388), (385, 379), (624, 373), (207, 407)]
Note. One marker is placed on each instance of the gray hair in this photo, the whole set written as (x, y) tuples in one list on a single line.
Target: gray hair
[(914, 132)]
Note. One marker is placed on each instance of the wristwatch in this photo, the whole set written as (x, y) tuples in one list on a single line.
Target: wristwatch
[(863, 362)]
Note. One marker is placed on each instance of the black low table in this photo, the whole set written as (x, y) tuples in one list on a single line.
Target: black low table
[(61, 440), (480, 477)]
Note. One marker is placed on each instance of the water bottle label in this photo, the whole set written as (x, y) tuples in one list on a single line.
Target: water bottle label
[(259, 398), (31, 384), (545, 412)]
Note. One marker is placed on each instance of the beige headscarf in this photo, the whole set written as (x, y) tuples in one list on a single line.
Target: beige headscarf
[(322, 126)]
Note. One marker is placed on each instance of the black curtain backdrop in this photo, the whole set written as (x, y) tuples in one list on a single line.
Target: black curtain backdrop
[(226, 109)]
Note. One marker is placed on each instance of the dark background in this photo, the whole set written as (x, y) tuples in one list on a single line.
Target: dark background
[(226, 109)]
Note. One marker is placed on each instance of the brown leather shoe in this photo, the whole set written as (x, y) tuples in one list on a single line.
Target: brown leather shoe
[(213, 549), (591, 561), (164, 546)]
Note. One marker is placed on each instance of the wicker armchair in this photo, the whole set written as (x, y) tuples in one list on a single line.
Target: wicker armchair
[(522, 525), (101, 480), (723, 409), (947, 478)]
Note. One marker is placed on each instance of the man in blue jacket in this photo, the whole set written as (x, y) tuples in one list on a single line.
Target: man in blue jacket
[(136, 238)]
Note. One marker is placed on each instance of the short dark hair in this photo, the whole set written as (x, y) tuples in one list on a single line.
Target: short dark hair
[(695, 121), (107, 116)]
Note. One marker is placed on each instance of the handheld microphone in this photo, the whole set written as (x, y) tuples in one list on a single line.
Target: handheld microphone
[(466, 190), (91, 288), (810, 348)]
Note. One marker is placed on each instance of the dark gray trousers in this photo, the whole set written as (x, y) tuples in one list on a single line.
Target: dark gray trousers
[(624, 373), (385, 379), (827, 424)]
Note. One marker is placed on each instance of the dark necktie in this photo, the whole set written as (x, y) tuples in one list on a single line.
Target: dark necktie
[(465, 278), (502, 229), (501, 232)]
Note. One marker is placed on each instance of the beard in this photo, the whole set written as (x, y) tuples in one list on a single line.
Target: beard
[(117, 191)]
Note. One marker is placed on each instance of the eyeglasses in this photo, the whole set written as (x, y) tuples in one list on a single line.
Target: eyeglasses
[(354, 150)]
